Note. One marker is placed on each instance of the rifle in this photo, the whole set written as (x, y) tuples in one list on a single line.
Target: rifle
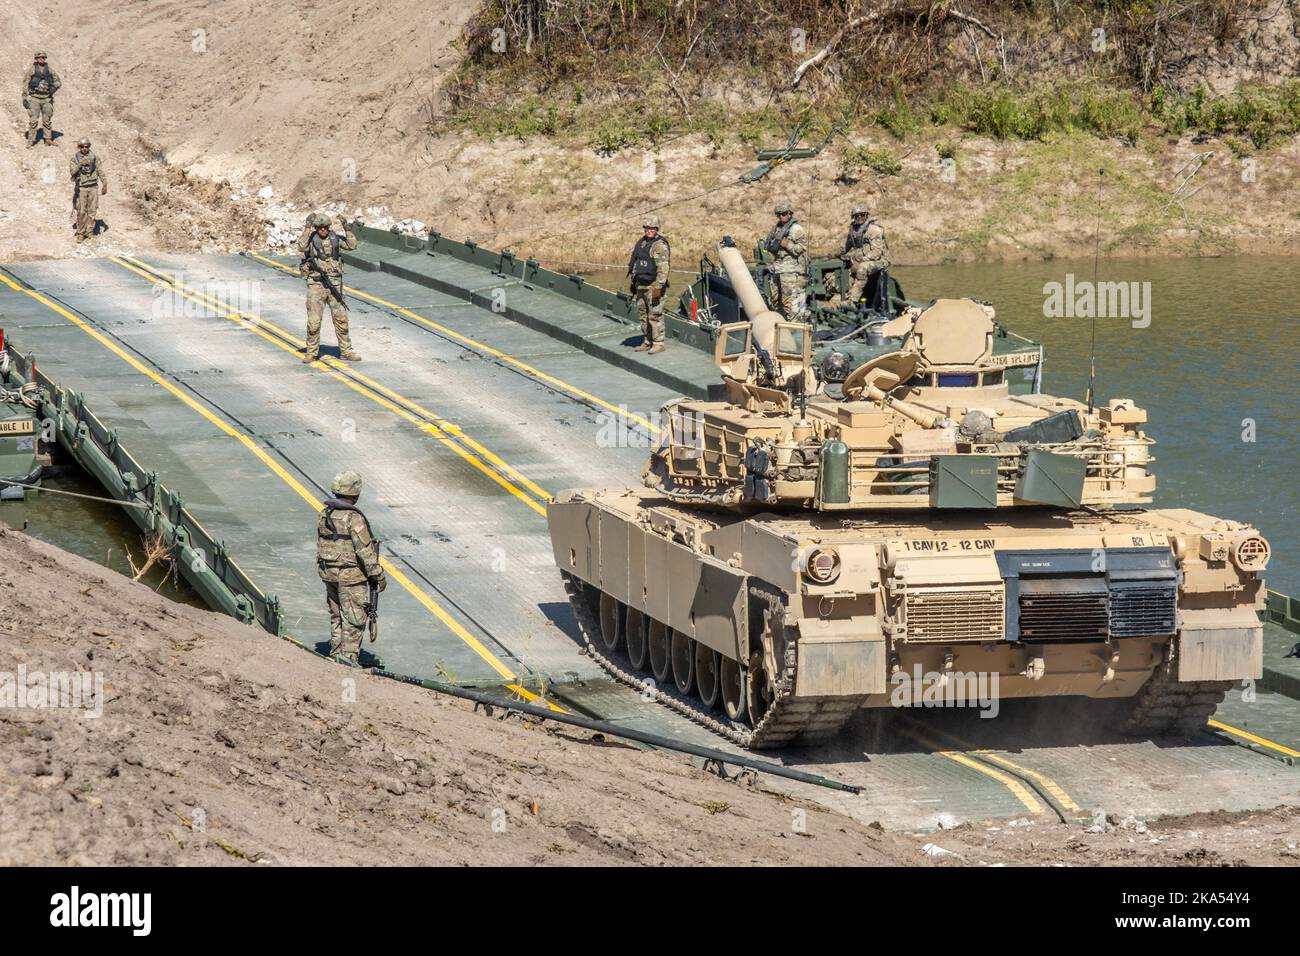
[(325, 279), (372, 610)]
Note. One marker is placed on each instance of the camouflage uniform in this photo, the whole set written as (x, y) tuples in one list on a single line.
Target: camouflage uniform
[(866, 250), (39, 84), (347, 557), (89, 181), (788, 244), (328, 255), (648, 270)]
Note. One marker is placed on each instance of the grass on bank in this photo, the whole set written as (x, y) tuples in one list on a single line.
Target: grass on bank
[(1250, 118)]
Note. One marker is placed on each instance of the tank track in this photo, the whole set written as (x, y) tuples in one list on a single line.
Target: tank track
[(1163, 706), (789, 719)]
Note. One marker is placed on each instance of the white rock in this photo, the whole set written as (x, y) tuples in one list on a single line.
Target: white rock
[(266, 192), (931, 849)]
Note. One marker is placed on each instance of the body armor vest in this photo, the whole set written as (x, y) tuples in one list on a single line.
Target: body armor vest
[(778, 233), (336, 558), (316, 249), (40, 80), (642, 265)]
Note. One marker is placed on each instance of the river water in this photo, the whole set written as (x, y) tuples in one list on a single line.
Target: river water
[(1215, 368)]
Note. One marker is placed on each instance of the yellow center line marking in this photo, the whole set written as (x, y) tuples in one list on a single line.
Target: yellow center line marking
[(1246, 735), (1017, 787), (487, 349), (287, 342), (1050, 785), (394, 572)]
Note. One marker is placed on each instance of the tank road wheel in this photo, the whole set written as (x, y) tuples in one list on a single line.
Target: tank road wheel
[(611, 621), (732, 680), (683, 662), (637, 630), (708, 683), (758, 689), (661, 652)]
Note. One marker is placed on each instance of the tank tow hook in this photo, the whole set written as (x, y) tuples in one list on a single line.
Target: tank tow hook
[(1035, 668), (1111, 661), (947, 670)]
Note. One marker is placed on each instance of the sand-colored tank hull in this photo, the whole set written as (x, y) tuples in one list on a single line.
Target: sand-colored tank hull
[(774, 629)]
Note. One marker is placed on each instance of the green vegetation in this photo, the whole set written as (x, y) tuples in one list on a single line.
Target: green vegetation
[(857, 158), (630, 73)]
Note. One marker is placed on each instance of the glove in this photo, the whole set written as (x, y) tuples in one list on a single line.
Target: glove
[(785, 244), (381, 582), (656, 294), (103, 188), (27, 104)]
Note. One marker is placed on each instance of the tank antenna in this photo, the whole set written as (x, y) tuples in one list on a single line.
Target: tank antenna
[(1096, 256)]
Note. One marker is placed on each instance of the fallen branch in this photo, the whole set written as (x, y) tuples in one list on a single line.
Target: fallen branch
[(855, 24), (155, 552)]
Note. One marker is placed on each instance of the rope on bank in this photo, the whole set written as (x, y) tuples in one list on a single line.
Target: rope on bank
[(74, 494)]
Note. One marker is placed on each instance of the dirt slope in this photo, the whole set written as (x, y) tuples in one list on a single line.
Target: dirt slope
[(221, 744), (149, 204)]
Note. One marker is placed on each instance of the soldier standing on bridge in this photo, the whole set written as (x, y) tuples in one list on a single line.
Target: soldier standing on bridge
[(347, 556), (788, 244), (322, 264), (40, 83), (648, 271), (867, 254), (89, 183)]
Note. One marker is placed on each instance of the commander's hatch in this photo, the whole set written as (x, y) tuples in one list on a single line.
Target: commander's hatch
[(731, 352)]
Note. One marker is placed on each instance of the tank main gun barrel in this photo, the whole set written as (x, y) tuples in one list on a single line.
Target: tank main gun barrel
[(762, 320)]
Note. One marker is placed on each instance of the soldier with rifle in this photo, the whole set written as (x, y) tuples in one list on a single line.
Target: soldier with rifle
[(321, 249), (347, 558), (788, 245)]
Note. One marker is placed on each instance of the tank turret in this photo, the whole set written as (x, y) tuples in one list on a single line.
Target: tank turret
[(930, 425)]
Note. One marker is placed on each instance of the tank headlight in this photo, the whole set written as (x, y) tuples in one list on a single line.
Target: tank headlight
[(821, 565), (1251, 554)]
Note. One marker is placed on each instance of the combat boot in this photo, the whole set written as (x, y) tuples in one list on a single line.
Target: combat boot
[(309, 357), (643, 347), (350, 356), (657, 348)]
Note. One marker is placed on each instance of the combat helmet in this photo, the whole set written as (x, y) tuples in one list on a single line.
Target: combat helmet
[(860, 209), (650, 222), (83, 141), (783, 206), (346, 483), (320, 219), (836, 366)]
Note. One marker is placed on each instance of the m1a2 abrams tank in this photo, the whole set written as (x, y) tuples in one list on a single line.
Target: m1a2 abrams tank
[(798, 552)]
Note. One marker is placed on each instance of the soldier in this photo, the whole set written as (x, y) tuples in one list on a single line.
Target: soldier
[(347, 556), (40, 83), (89, 183), (322, 264), (648, 272), (867, 254), (788, 244)]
